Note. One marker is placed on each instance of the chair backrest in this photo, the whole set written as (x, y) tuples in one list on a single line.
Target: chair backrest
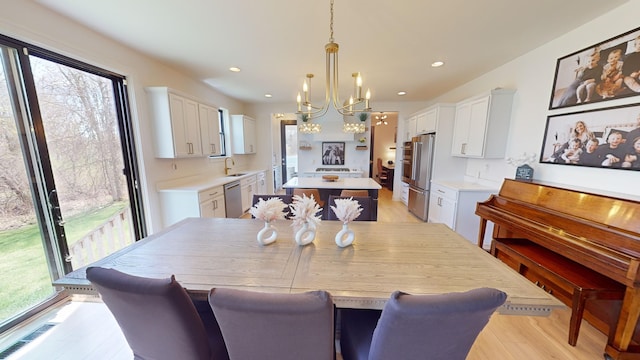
[(365, 203), (286, 199), (157, 316), (309, 193), (433, 326), (275, 326), (348, 193)]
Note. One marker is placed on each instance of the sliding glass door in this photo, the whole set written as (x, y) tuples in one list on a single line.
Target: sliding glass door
[(68, 193)]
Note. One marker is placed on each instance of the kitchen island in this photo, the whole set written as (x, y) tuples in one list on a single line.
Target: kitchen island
[(327, 188)]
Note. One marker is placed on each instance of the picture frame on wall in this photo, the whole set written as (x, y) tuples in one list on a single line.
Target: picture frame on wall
[(602, 138), (605, 71), (333, 153)]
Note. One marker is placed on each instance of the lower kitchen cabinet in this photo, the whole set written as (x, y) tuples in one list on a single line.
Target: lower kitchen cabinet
[(404, 195), (178, 205), (248, 186), (454, 204), (212, 203), (261, 183)]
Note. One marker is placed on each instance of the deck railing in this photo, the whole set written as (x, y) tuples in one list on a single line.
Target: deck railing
[(114, 234)]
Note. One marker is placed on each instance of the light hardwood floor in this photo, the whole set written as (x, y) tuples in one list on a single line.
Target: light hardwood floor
[(86, 330)]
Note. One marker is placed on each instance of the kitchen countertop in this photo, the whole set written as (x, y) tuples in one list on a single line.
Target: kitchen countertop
[(342, 183), (199, 183), (464, 185)]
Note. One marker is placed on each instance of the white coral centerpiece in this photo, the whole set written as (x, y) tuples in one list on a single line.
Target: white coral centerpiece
[(269, 210), (304, 210), (346, 210)]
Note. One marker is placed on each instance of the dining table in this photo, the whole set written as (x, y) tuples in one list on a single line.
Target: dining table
[(417, 258)]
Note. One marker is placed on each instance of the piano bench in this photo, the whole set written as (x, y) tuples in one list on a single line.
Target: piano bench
[(570, 282)]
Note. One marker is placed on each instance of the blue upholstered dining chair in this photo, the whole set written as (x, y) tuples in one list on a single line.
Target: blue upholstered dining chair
[(259, 325), (158, 318), (434, 327)]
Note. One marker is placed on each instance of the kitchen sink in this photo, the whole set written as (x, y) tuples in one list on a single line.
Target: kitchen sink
[(238, 174)]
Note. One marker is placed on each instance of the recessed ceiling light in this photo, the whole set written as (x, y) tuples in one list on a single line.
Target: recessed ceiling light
[(402, 93), (234, 69), (267, 95), (437, 63)]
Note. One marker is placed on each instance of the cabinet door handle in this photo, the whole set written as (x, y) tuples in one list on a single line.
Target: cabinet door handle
[(464, 148), (215, 204)]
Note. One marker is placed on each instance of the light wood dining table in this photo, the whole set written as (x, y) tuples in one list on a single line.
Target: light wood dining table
[(418, 258)]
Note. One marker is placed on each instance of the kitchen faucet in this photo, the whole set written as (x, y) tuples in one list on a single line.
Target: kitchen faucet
[(227, 168)]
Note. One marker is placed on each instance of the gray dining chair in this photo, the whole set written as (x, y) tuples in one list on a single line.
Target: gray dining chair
[(158, 318), (434, 327), (258, 325)]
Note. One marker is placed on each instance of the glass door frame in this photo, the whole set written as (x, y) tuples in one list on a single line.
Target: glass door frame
[(37, 163)]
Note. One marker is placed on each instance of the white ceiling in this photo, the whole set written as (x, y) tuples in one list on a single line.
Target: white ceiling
[(275, 43)]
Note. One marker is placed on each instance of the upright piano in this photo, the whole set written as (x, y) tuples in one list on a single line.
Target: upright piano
[(580, 246)]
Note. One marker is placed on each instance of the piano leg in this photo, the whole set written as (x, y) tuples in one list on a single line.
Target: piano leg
[(619, 347), (481, 231)]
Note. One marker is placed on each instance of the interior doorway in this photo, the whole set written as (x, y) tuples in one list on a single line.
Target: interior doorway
[(289, 146)]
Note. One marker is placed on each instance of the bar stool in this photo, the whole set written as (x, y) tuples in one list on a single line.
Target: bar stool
[(359, 193), (310, 192)]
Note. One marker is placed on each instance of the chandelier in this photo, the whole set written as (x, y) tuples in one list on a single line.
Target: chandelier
[(382, 119), (356, 102)]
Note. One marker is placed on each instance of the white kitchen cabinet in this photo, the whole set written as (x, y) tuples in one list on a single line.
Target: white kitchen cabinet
[(410, 128), (482, 125), (404, 195), (212, 202), (426, 122), (440, 118), (261, 183), (248, 188), (454, 204), (178, 205), (243, 134), (209, 130), (176, 124)]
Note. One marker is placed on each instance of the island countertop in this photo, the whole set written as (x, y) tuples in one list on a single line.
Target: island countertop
[(341, 183)]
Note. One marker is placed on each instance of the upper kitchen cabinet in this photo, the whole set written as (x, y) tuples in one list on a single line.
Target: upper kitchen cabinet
[(426, 122), (243, 134), (482, 125), (176, 124), (410, 127), (209, 130)]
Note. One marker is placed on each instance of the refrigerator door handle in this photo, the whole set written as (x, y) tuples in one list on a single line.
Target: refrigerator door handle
[(417, 148)]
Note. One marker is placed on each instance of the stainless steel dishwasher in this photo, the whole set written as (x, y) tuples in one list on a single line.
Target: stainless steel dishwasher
[(233, 199)]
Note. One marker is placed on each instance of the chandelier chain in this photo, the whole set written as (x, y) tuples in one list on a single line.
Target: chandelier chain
[(331, 24)]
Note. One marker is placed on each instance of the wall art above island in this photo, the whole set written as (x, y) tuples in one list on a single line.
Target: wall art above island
[(333, 153), (606, 71), (604, 138)]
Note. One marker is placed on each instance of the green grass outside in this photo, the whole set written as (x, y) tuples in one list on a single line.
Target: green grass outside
[(24, 273)]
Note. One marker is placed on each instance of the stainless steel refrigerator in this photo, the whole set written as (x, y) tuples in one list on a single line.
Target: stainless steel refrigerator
[(420, 174)]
